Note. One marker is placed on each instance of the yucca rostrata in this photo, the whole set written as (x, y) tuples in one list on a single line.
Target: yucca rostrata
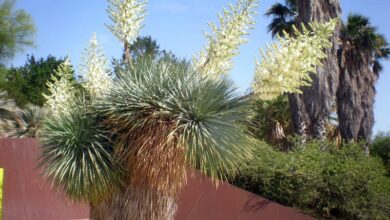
[(127, 153), (167, 118)]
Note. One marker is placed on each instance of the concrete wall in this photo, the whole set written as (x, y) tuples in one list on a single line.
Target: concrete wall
[(27, 196)]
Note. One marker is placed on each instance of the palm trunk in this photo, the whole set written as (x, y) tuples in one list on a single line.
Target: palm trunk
[(313, 107), (356, 95)]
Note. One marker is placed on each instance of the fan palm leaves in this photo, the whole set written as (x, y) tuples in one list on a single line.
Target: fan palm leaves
[(283, 18)]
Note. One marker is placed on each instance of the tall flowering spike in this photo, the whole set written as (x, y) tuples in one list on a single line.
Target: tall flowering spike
[(216, 58), (94, 68), (286, 65), (127, 17), (61, 87)]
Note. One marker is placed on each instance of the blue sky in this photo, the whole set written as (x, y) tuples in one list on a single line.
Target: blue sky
[(64, 28)]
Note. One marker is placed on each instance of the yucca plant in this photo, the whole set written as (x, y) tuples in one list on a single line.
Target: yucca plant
[(167, 117), (77, 154), (127, 152)]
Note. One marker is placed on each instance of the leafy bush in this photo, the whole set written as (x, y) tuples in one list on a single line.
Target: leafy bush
[(330, 183), (381, 148)]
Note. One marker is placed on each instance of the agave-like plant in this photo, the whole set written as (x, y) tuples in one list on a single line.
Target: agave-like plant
[(30, 121), (76, 154), (162, 118), (9, 113)]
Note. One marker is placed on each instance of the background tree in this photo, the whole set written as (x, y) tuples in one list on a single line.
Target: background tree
[(314, 105), (26, 84), (16, 30), (361, 52), (143, 46), (283, 17), (310, 109)]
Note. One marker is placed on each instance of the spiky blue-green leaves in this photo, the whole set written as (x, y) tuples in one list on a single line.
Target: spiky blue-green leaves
[(76, 155), (194, 112)]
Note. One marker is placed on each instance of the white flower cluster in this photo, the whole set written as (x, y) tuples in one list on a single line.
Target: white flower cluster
[(216, 58), (61, 88), (127, 17), (286, 65), (94, 68)]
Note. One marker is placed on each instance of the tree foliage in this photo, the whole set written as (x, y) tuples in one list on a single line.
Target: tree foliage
[(26, 84), (16, 30), (381, 148), (283, 18)]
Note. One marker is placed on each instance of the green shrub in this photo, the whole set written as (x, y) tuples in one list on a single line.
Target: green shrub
[(381, 148), (343, 184)]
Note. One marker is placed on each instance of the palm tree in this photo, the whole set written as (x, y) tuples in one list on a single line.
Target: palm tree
[(283, 17), (311, 109), (132, 148), (362, 49)]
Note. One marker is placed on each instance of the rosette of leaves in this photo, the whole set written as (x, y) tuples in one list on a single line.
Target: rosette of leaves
[(168, 117), (76, 154)]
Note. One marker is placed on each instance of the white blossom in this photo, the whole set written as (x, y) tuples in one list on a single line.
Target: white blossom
[(286, 65), (61, 88), (94, 68), (216, 58), (127, 17)]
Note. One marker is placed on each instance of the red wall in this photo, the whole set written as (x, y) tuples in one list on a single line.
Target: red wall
[(26, 196)]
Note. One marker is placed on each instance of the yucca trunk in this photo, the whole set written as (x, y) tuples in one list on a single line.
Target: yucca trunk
[(155, 166), (135, 203), (356, 95), (312, 108)]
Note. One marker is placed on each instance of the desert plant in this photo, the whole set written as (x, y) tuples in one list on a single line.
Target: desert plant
[(30, 121), (76, 153), (159, 117), (9, 113)]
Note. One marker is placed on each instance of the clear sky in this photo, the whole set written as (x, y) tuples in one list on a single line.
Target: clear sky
[(64, 28)]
